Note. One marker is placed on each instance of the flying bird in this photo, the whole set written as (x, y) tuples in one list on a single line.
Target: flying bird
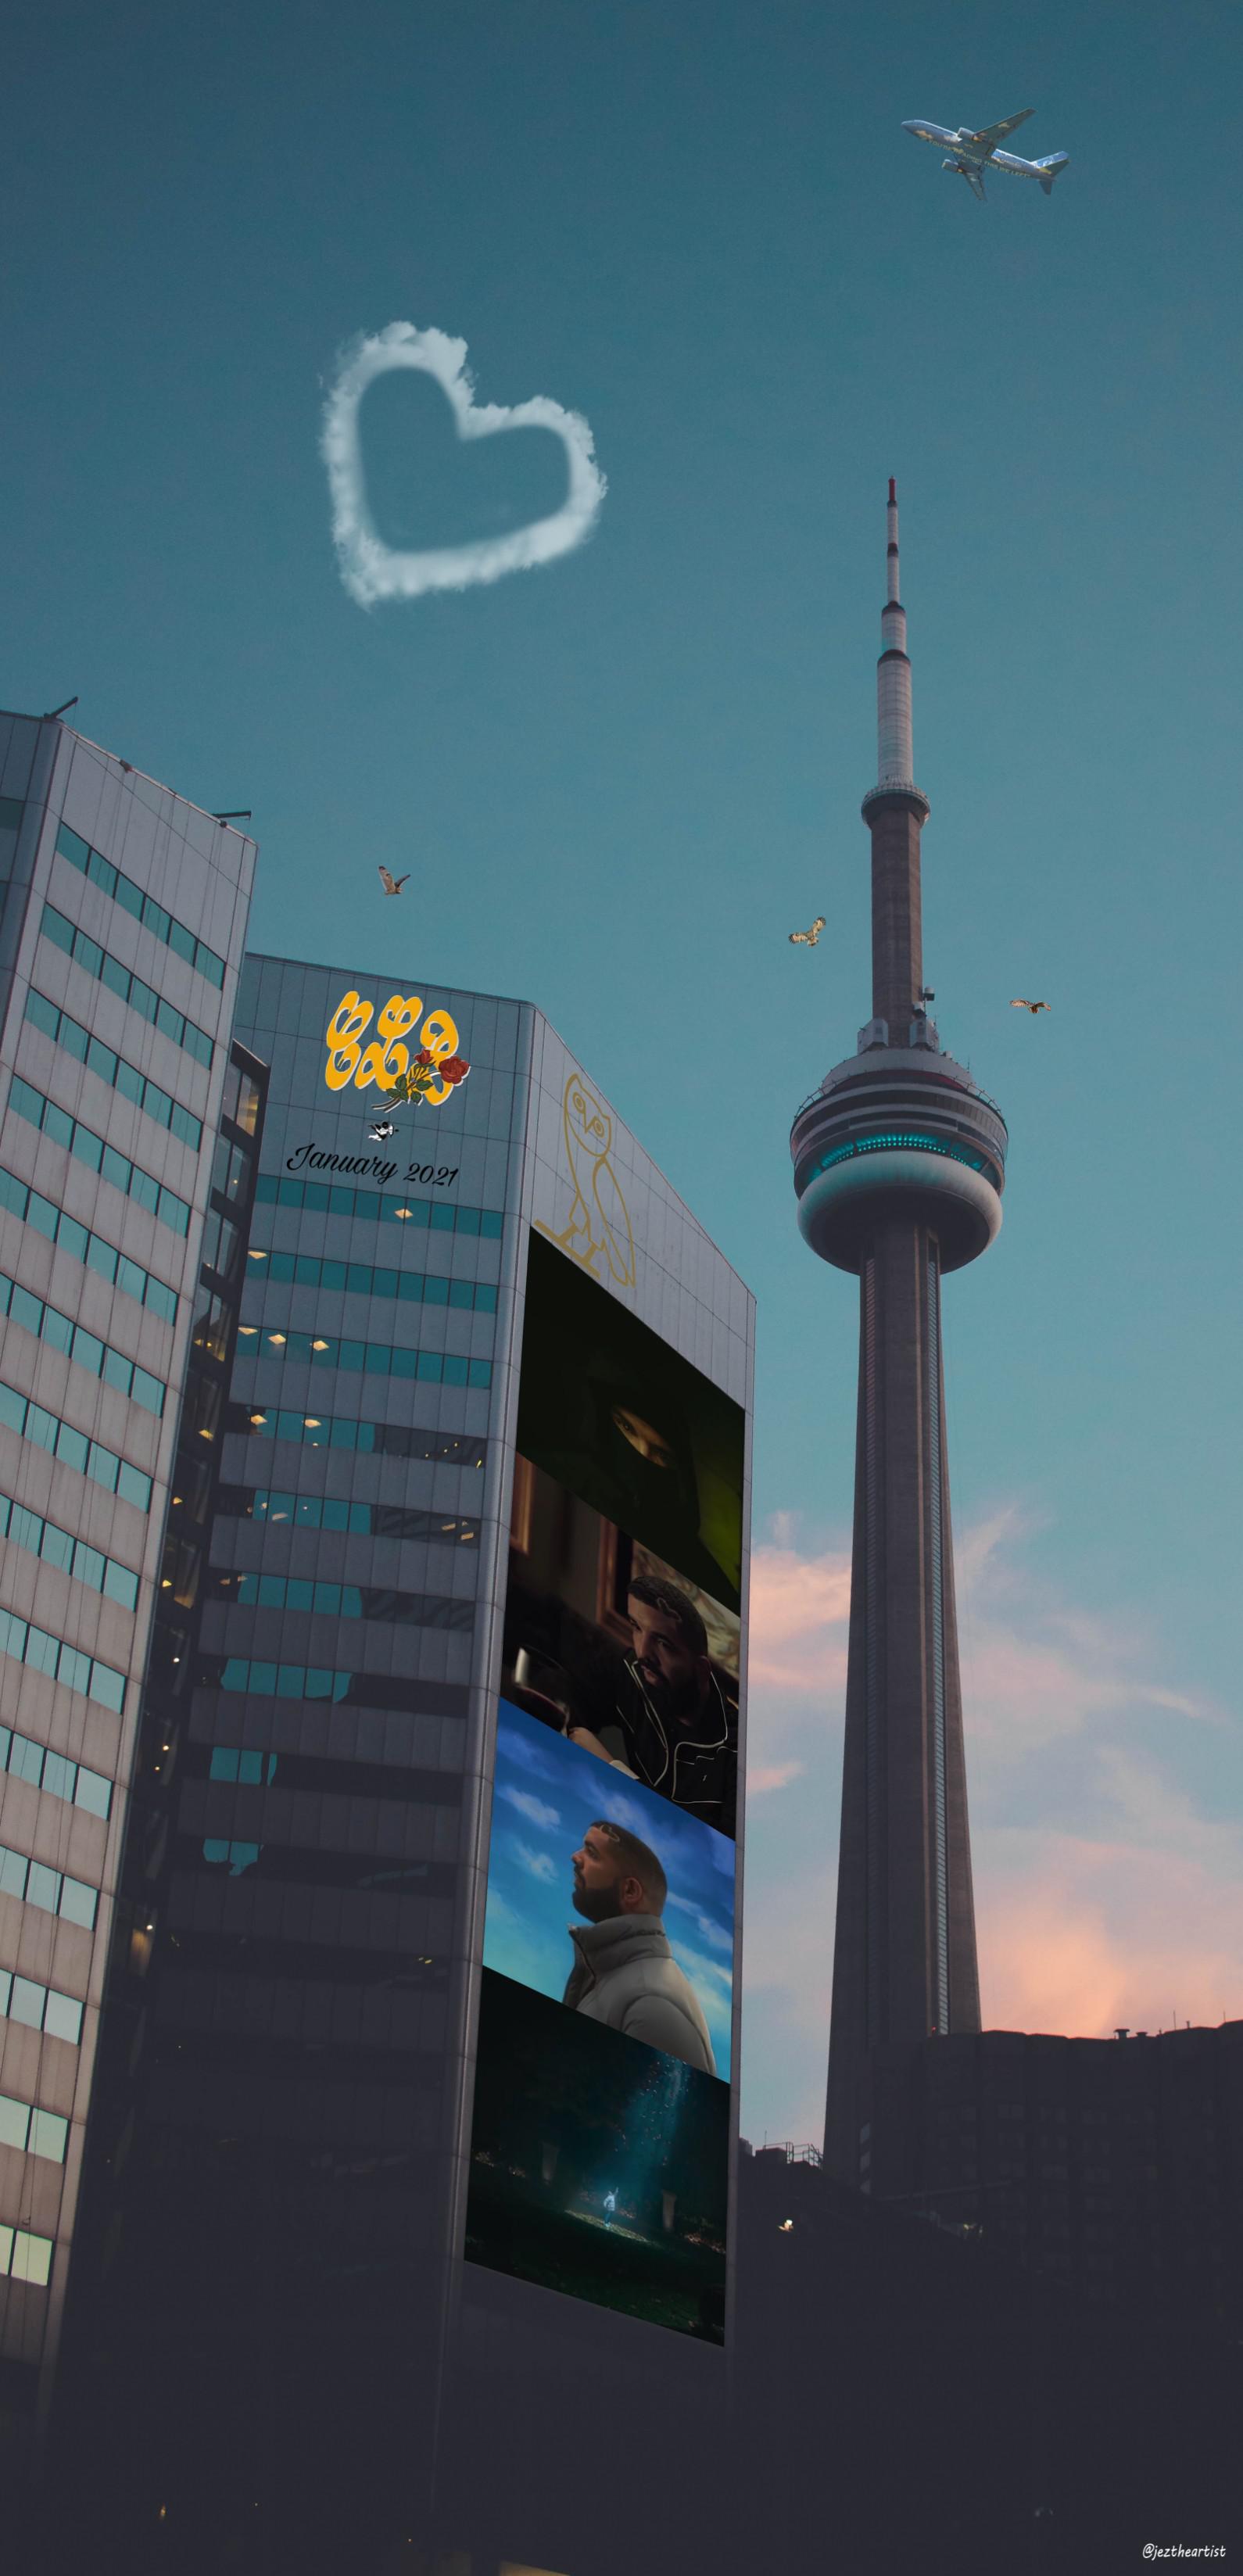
[(393, 885), (808, 938), (379, 1135), (1018, 1004)]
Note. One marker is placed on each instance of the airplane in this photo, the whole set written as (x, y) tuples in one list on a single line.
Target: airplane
[(970, 152)]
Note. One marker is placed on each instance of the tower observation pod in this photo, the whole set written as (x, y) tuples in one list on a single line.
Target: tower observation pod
[(899, 1168)]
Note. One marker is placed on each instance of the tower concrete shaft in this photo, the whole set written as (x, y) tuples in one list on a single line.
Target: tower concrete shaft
[(899, 1166)]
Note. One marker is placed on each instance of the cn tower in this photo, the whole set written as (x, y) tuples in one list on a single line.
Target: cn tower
[(899, 1167)]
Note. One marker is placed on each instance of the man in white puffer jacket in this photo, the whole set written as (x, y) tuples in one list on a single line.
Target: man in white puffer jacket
[(625, 1974)]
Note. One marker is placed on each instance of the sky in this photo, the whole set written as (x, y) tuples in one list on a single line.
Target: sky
[(620, 777)]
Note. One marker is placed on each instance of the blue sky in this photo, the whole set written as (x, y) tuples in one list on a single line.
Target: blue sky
[(620, 779), (547, 1794)]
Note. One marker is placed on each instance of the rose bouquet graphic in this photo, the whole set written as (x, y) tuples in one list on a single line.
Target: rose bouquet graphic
[(432, 1073)]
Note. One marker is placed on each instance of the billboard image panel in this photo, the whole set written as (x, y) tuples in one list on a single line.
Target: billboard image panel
[(600, 2144), (624, 1422), (652, 1950), (599, 2167)]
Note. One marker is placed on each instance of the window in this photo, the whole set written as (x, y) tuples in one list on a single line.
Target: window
[(374, 1359), (344, 1600), (40, 2007), (441, 1215), (31, 2131), (75, 1239), (33, 1884), (27, 1644), (54, 1773), (114, 1070), (222, 1243), (242, 1096), (230, 1169), (341, 1431), (332, 1512), (70, 1554), (25, 2257), (88, 1148), (141, 907), (108, 970), (211, 1328), (413, 1287), (49, 1325)]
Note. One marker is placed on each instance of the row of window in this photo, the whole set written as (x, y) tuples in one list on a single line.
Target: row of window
[(324, 1773), (299, 1866), (414, 1287), (332, 1512), (143, 907), (33, 1422), (86, 1147), (84, 1246), (885, 1144), (62, 1663), (24, 2257), (56, 1546), (370, 1439), (33, 2132), (287, 1681), (33, 1884), (55, 1774), (40, 2007), (114, 1069), (49, 1325), (332, 1198), (382, 1359), (345, 1600), (108, 970)]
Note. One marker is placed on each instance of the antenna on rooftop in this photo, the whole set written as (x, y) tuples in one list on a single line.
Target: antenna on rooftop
[(58, 711)]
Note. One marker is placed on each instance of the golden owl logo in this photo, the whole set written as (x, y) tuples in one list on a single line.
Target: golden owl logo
[(599, 1219)]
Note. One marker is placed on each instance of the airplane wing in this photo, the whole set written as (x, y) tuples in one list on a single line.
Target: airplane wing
[(991, 135), (973, 179)]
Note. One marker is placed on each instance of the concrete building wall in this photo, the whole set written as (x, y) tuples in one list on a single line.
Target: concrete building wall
[(107, 1130)]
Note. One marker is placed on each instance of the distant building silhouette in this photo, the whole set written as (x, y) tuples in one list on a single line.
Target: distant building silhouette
[(1115, 2165)]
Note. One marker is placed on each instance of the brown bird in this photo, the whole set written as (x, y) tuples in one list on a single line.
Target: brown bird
[(808, 938), (1020, 1005), (393, 885)]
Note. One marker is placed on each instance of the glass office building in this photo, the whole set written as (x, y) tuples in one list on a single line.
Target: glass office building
[(392, 2180), (122, 919)]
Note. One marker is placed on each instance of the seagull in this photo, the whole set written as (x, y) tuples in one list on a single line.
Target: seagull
[(379, 1135), (1018, 1004), (393, 885), (809, 938)]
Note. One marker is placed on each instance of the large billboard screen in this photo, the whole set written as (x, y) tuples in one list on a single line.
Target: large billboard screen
[(600, 2143)]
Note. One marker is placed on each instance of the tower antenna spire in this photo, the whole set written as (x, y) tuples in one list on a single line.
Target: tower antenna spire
[(895, 759), (899, 1167)]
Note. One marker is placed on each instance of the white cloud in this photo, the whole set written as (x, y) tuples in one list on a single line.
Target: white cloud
[(536, 1810), (1106, 1863), (370, 569), (713, 1932), (540, 1864)]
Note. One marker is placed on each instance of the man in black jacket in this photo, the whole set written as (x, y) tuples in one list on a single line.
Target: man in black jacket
[(662, 1712)]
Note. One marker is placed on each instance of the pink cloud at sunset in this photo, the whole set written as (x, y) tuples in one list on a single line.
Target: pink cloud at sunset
[(799, 1609), (1106, 1886)]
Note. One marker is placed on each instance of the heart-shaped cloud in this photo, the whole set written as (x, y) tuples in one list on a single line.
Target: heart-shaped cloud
[(370, 569)]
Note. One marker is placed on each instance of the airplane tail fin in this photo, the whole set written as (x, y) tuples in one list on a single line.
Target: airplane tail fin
[(1052, 164)]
